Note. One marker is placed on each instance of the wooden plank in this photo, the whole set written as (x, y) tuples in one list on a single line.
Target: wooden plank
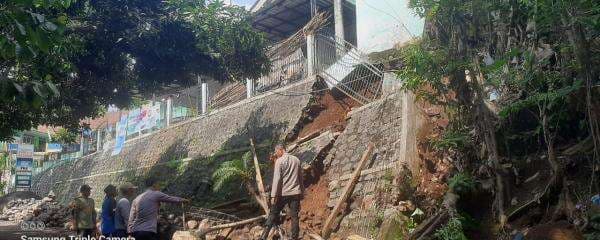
[(259, 181), (327, 227), (236, 224)]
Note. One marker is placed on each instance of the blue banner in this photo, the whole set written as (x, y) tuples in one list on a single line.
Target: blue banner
[(121, 134), (54, 147), (23, 169), (13, 147)]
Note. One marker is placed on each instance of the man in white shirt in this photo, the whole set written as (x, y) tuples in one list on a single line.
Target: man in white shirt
[(287, 189)]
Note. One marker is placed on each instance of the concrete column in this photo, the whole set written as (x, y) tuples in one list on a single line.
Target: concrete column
[(168, 111), (249, 88), (310, 54), (338, 14), (204, 98), (98, 140), (81, 144)]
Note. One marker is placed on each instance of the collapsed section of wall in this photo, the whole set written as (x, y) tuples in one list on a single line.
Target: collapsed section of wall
[(390, 124), (174, 150)]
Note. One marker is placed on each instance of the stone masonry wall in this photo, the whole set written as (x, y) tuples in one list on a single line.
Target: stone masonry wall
[(383, 123), (181, 153)]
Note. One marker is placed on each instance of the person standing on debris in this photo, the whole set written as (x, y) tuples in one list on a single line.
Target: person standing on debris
[(83, 213), (127, 191), (107, 221), (287, 189), (143, 219)]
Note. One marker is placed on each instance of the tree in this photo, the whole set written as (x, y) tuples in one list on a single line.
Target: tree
[(33, 60), (519, 52), (63, 61)]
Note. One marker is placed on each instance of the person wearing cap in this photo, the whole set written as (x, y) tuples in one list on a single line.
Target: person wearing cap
[(83, 213), (287, 189), (143, 218), (107, 222), (127, 191)]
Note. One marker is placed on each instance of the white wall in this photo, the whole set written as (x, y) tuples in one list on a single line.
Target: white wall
[(380, 24)]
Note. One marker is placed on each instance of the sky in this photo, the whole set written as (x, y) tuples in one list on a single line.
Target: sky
[(245, 3)]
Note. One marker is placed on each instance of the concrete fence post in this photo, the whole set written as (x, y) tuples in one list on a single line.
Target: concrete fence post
[(81, 144), (204, 98), (249, 88), (338, 12), (310, 54), (98, 140), (168, 111)]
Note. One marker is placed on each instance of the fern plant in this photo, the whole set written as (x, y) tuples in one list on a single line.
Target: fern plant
[(236, 170), (241, 171), (461, 183), (453, 230)]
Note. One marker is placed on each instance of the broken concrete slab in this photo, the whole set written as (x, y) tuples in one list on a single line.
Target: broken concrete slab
[(309, 150)]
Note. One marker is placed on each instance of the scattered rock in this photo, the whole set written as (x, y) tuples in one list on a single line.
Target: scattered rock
[(47, 210), (192, 224)]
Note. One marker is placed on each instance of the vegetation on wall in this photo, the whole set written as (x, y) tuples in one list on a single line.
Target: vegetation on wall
[(517, 78)]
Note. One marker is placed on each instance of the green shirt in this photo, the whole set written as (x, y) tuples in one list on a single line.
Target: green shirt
[(84, 212)]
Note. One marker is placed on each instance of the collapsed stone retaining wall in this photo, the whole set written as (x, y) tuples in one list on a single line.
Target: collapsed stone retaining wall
[(184, 154), (390, 124)]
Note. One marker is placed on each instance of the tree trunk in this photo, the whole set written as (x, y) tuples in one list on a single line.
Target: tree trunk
[(489, 136), (549, 139), (582, 53)]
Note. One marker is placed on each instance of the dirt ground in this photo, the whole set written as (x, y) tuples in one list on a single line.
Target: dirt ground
[(329, 111)]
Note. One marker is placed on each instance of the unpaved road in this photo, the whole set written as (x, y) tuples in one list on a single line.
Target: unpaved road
[(12, 231)]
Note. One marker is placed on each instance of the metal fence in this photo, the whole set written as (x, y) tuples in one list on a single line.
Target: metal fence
[(340, 64), (228, 95), (286, 67), (343, 66)]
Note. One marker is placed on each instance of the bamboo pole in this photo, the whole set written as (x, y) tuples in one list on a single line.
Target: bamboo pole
[(259, 182), (235, 224), (347, 192)]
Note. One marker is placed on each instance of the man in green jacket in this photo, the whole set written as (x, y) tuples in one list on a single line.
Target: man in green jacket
[(83, 213)]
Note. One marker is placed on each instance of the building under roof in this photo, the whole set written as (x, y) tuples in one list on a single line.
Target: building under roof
[(280, 19)]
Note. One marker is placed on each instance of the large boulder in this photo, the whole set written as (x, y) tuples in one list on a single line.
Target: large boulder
[(394, 226)]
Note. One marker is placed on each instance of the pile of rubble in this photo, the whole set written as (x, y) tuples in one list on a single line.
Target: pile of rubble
[(47, 210)]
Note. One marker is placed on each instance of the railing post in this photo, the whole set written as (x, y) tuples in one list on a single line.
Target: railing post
[(98, 140), (249, 88), (310, 54), (81, 144), (168, 111), (204, 98), (338, 12)]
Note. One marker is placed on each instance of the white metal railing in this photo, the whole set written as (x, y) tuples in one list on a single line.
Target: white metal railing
[(346, 68)]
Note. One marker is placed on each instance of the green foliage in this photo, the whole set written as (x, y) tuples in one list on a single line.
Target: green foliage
[(593, 231), (462, 183), (64, 136), (63, 61), (239, 170), (33, 60), (453, 230), (452, 139), (232, 44)]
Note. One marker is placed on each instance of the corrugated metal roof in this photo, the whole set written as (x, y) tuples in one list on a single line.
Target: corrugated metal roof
[(280, 19)]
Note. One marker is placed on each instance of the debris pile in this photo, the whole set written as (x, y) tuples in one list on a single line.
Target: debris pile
[(47, 210)]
